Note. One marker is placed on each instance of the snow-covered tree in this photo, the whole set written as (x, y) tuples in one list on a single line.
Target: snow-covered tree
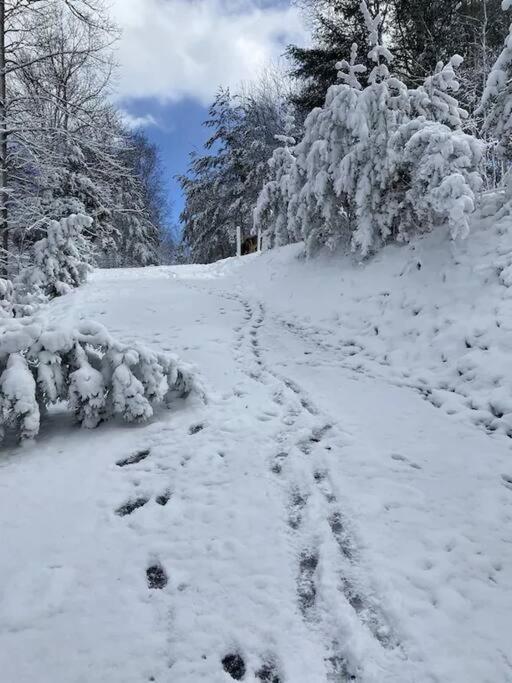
[(212, 186), (434, 170), (421, 33), (436, 98), (496, 103), (336, 26), (143, 214), (343, 161), (222, 186), (271, 210), (364, 172), (60, 261), (69, 150), (28, 50), (300, 199), (375, 163)]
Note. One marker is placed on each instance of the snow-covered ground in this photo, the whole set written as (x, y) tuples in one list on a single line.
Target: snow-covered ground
[(339, 510)]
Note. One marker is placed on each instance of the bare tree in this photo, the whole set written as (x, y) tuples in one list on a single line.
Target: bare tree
[(20, 52)]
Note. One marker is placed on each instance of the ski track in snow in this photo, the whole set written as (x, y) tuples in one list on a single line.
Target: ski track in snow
[(267, 536)]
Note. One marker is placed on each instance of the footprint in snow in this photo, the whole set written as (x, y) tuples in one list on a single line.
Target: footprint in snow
[(507, 480), (337, 526), (306, 585), (156, 576), (278, 461), (338, 666), (163, 498), (134, 459), (402, 458), (267, 673), (130, 506), (298, 502), (195, 429), (234, 665)]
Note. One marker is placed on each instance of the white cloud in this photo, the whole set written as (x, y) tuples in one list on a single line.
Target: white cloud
[(135, 122), (172, 49)]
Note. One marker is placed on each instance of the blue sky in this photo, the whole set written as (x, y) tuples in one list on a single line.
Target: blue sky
[(174, 54), (177, 131)]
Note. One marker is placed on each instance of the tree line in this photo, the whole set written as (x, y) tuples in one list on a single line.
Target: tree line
[(392, 121)]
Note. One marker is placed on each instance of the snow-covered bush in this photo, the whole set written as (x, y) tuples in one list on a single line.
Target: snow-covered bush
[(18, 405), (60, 261), (99, 377)]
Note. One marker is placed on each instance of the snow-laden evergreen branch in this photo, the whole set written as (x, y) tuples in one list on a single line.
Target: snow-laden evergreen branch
[(42, 364)]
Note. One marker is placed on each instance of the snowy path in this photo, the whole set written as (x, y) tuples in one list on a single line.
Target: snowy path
[(309, 524)]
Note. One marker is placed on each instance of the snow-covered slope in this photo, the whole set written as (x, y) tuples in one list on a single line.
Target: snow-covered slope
[(339, 510)]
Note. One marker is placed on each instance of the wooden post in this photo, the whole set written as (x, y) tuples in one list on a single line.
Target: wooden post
[(238, 240)]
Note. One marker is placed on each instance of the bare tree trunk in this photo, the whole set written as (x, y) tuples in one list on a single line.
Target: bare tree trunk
[(4, 228)]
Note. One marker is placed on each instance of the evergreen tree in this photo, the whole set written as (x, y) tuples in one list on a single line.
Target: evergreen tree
[(496, 103), (375, 162), (271, 215), (213, 186), (420, 33), (222, 186), (336, 27), (60, 261)]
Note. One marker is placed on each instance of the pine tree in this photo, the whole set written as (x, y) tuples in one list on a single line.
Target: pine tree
[(60, 261), (421, 34), (425, 33), (436, 98), (209, 185), (336, 27), (375, 163), (271, 216), (222, 186)]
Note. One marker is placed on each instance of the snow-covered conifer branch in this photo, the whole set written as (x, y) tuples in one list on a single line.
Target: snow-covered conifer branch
[(97, 376)]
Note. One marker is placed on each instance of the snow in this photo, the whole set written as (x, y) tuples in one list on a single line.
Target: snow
[(338, 510)]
